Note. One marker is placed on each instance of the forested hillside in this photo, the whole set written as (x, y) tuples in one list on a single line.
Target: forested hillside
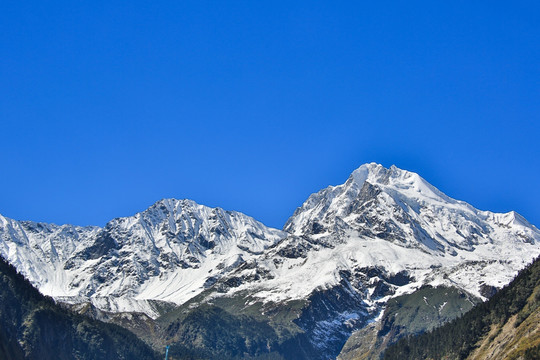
[(409, 314), (505, 327), (32, 326)]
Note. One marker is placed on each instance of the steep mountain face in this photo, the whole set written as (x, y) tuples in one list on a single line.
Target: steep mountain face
[(34, 327), (169, 252), (342, 255)]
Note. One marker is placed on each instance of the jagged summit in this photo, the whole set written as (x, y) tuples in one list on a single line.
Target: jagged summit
[(400, 206), (188, 221), (374, 172), (377, 174)]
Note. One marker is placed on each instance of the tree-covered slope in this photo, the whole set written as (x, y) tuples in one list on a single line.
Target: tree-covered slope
[(505, 327), (409, 314), (32, 326), (230, 329)]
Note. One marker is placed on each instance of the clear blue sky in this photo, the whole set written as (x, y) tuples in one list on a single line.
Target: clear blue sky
[(109, 106)]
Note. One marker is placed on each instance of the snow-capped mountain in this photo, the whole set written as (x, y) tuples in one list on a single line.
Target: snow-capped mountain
[(169, 252), (343, 253), (394, 220), (400, 206), (383, 233)]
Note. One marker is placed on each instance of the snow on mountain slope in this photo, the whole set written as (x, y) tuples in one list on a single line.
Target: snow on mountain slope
[(169, 252), (38, 250), (382, 233), (382, 224)]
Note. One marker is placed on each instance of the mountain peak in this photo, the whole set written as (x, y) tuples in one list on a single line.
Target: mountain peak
[(171, 251), (399, 205), (398, 179), (378, 174), (361, 174), (375, 172)]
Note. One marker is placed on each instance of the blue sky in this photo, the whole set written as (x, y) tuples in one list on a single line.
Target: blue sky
[(107, 107)]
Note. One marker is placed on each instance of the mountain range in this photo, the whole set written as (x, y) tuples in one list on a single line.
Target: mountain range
[(343, 254)]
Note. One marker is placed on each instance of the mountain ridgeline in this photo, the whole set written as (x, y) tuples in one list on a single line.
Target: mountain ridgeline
[(219, 284)]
